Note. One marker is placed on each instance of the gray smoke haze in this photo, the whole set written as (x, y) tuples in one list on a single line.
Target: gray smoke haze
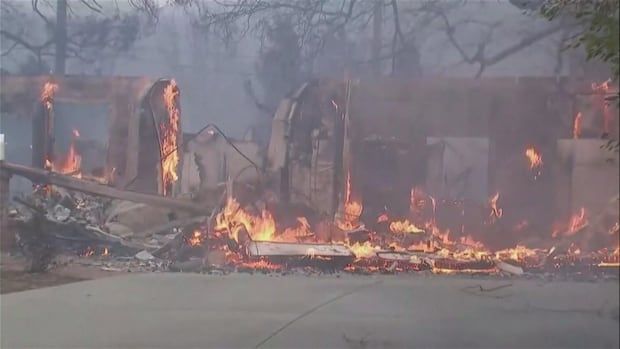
[(212, 75)]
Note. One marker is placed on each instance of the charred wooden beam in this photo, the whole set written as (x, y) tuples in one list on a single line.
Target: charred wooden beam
[(87, 187)]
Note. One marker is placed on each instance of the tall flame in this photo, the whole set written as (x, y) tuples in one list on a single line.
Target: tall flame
[(347, 195), (169, 131), (352, 209), (577, 126), (47, 99)]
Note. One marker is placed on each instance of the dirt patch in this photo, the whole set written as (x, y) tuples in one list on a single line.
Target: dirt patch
[(14, 278)]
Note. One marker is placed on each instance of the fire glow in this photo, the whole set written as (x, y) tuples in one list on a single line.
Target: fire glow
[(404, 242), (495, 211), (600, 91), (168, 137), (576, 223), (404, 226), (352, 209), (233, 219), (534, 158), (577, 126), (47, 94), (71, 161)]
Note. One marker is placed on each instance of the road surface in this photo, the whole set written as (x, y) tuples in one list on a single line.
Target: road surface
[(162, 310)]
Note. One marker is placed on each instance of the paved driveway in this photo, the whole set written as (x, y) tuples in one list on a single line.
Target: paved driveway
[(243, 311)]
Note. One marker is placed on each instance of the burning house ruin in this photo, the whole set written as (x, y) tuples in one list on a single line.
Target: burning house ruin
[(117, 131), (118, 138), (497, 168), (449, 175)]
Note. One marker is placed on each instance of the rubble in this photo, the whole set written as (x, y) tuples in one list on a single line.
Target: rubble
[(144, 256), (312, 207), (509, 268), (55, 222)]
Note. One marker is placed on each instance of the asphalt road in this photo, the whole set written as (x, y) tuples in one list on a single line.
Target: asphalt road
[(245, 311)]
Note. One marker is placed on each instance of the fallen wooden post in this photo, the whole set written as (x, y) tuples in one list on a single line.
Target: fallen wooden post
[(48, 177)]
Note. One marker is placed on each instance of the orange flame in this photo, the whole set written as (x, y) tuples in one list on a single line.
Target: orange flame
[(261, 265), (365, 250), (70, 164), (469, 241), (383, 218), (296, 233), (195, 239), (233, 218), (47, 94), (517, 253), (404, 227), (347, 196), (169, 132), (602, 89), (88, 252), (350, 219), (577, 222), (577, 126), (352, 209), (534, 158)]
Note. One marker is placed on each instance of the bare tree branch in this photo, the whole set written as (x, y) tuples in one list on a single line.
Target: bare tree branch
[(94, 6), (18, 40), (479, 57), (10, 49), (35, 8)]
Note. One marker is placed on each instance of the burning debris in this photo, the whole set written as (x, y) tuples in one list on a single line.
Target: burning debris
[(250, 229)]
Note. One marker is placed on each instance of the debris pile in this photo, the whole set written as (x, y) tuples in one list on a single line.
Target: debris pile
[(123, 236), (53, 221)]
